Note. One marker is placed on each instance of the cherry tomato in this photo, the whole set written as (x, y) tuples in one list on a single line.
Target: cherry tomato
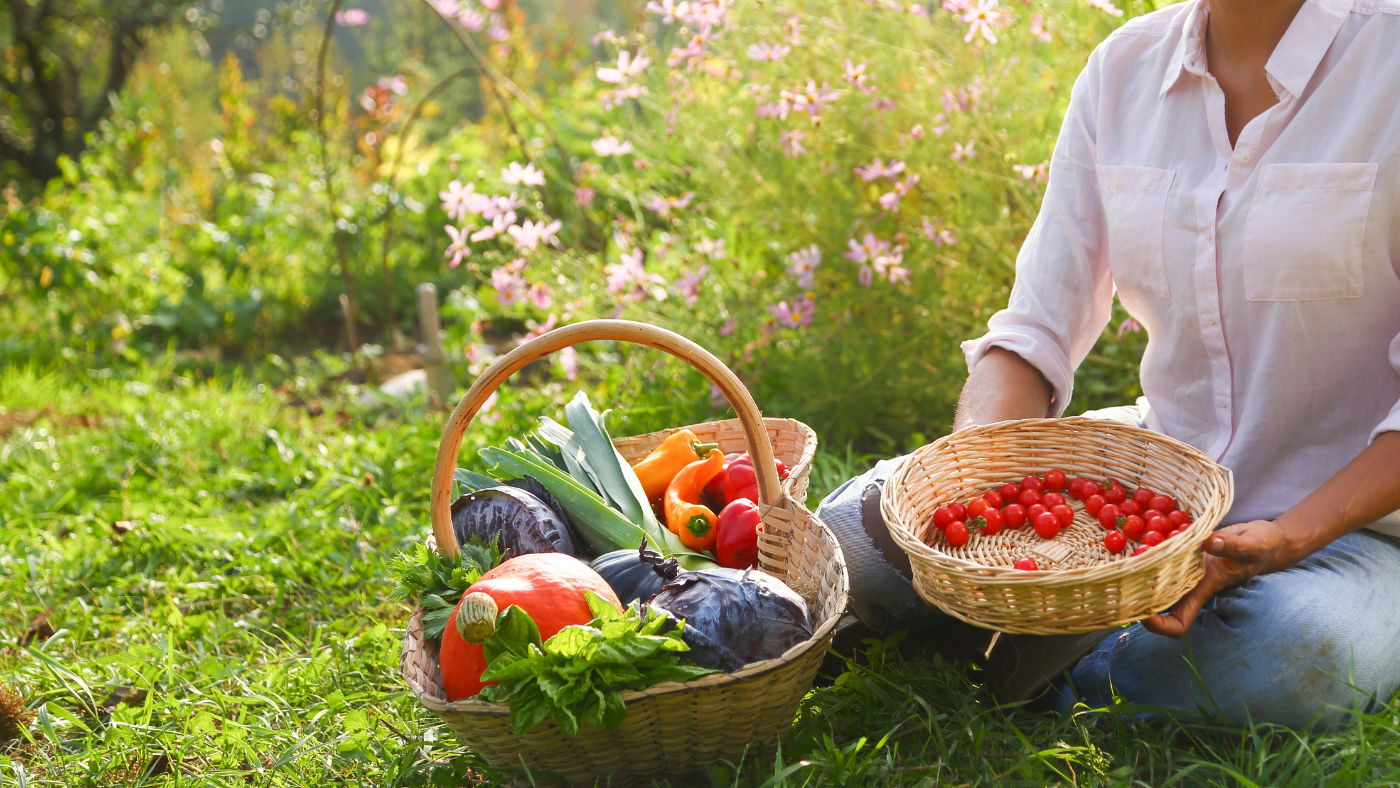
[(1162, 504), (992, 497), (959, 511), (1149, 539), (1142, 548), (1130, 507), (1036, 511), (1051, 500), (1110, 483), (1033, 483), (1046, 525), (1156, 522), (976, 507), (1178, 518), (942, 517), (992, 522), (956, 533), (1064, 514), (1026, 565), (1108, 516), (1093, 504), (1134, 527), (1115, 541), (1143, 496), (1115, 495), (1170, 534), (1055, 480), (1076, 488), (1014, 515), (1029, 497), (1091, 489), (1010, 491)]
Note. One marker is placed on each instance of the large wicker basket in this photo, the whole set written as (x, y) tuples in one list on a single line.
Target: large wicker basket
[(673, 729), (1081, 586)]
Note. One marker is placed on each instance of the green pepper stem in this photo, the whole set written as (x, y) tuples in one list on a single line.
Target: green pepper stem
[(702, 450), (699, 525)]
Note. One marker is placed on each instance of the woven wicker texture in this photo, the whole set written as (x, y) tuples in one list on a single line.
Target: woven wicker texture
[(676, 728), (1081, 586)]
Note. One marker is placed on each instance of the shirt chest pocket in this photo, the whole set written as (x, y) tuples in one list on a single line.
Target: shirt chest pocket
[(1304, 232), (1135, 206)]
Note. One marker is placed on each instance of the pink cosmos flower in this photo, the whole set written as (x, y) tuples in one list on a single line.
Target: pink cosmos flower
[(630, 277), (497, 30), (890, 200), (1128, 326), (955, 6), (539, 295), (982, 19), (1042, 28), (664, 205), (628, 66), (1107, 7), (498, 225), (798, 314), (810, 99), (883, 104), (961, 153), (609, 146), (918, 9), (769, 110), (530, 234), (728, 327), (666, 9), (491, 5), (804, 265), (584, 196), (878, 169), (689, 285), (1032, 172), (864, 252), (527, 175), (616, 98), (768, 52), (496, 207), (935, 231), (456, 198), (471, 19), (352, 17), (395, 84), (458, 249), (568, 359), (791, 142), (858, 78), (711, 249), (509, 287), (917, 133), (687, 56)]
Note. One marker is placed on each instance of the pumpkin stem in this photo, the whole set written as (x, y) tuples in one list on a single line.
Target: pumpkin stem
[(476, 617)]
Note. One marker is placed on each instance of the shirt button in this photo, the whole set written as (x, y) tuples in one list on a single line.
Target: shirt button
[(1223, 402), (1246, 158), (1210, 234), (1210, 319)]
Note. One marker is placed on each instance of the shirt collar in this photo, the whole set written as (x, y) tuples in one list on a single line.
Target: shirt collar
[(1293, 61)]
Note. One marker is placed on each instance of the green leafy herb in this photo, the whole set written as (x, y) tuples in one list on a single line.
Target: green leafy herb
[(577, 677), (424, 577)]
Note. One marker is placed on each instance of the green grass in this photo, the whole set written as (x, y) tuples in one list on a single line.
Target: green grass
[(248, 601)]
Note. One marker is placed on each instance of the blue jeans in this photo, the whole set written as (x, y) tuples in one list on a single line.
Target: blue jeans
[(1304, 647)]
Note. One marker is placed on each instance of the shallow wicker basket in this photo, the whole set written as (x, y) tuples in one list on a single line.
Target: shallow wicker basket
[(672, 729), (1081, 586)]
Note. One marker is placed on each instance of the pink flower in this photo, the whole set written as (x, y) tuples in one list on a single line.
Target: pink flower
[(395, 84), (1042, 28), (804, 265), (689, 285), (539, 329), (890, 200), (352, 17), (666, 9), (883, 104), (568, 359), (630, 277), (866, 249), (982, 19), (961, 153), (791, 142), (530, 234), (628, 67), (539, 295), (728, 327), (527, 175), (810, 99), (471, 19), (609, 146), (798, 314), (887, 264), (878, 169), (1032, 172), (711, 249), (497, 31), (1128, 326), (616, 98), (458, 249), (491, 5), (918, 9), (768, 52), (1107, 7), (858, 78), (510, 288), (769, 110), (917, 133), (456, 198), (664, 205), (584, 196), (934, 231)]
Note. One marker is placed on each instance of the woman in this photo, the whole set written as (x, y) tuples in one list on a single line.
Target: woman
[(1232, 168)]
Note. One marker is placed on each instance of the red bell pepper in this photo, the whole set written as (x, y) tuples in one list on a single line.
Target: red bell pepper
[(741, 480), (739, 524), (714, 491)]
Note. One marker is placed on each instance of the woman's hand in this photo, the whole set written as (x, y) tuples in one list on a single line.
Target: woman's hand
[(1234, 554)]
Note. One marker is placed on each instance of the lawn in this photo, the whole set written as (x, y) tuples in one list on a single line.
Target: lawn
[(195, 567)]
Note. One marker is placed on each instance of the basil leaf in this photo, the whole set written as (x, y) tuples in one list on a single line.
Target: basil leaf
[(529, 707)]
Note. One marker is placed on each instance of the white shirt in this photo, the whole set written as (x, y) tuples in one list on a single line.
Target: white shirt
[(1267, 276)]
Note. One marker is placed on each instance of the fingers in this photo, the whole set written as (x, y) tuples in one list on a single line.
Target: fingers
[(1176, 621), (1241, 543)]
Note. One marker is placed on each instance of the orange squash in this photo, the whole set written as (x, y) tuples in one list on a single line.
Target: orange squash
[(548, 586)]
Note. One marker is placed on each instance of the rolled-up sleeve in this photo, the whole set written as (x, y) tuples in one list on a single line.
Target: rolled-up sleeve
[(1391, 423), (1063, 295)]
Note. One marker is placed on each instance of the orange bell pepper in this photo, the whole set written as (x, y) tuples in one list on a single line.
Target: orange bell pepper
[(658, 468), (694, 523)]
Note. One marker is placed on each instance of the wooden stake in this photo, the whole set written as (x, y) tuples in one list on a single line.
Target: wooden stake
[(434, 358)]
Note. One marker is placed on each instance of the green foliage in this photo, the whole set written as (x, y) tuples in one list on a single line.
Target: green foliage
[(424, 578), (578, 675)]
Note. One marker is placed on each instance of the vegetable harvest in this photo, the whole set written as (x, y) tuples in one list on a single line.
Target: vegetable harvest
[(692, 521), (658, 468)]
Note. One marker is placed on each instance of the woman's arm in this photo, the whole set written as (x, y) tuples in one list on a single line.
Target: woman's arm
[(1367, 489), (1002, 386)]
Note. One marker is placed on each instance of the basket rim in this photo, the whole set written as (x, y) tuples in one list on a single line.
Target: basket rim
[(750, 671), (918, 550)]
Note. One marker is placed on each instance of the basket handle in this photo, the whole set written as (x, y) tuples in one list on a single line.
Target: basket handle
[(750, 418)]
